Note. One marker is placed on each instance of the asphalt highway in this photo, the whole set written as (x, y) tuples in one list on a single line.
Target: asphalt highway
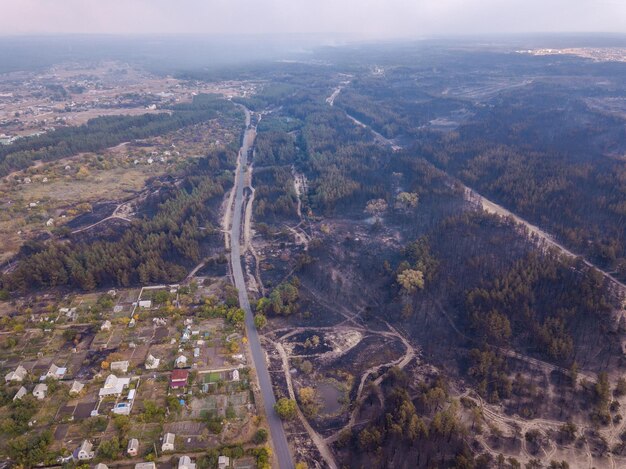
[(281, 448)]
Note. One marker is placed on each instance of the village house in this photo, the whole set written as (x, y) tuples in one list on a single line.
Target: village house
[(54, 372), (16, 376), (133, 447), (21, 392), (146, 304), (185, 463), (168, 442), (76, 387), (106, 326), (178, 379), (152, 363), (121, 366), (113, 386), (223, 462), (40, 391), (85, 451), (181, 361), (235, 375)]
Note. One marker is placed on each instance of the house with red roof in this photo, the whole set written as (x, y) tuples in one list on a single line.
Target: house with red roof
[(178, 379)]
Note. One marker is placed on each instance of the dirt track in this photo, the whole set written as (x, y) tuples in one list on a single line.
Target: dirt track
[(611, 434), (495, 209)]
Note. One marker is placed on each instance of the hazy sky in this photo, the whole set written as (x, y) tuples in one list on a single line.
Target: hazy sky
[(367, 18)]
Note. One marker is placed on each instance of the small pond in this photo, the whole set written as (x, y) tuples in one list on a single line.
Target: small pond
[(329, 395)]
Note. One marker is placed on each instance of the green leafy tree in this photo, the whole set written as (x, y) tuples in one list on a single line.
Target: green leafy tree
[(106, 301), (161, 297), (261, 436), (406, 200), (122, 424), (236, 317), (263, 305), (260, 321), (285, 408), (110, 449), (30, 450), (276, 302)]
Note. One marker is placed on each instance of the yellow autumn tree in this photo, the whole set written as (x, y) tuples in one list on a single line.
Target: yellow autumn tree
[(411, 280)]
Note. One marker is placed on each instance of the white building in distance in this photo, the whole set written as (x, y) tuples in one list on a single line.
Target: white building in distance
[(152, 363), (76, 387), (168, 442), (223, 462), (133, 447), (185, 462), (55, 372), (113, 386), (16, 376), (40, 391), (121, 366), (21, 392), (85, 452)]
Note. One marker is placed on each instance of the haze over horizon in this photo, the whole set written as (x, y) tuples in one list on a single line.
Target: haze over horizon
[(365, 19)]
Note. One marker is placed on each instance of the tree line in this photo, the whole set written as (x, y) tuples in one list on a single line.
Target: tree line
[(155, 248), (107, 131)]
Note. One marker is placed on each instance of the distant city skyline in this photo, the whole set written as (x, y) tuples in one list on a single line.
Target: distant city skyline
[(366, 19)]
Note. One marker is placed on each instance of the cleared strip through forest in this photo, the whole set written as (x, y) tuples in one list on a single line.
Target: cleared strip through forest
[(533, 230), (493, 208)]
